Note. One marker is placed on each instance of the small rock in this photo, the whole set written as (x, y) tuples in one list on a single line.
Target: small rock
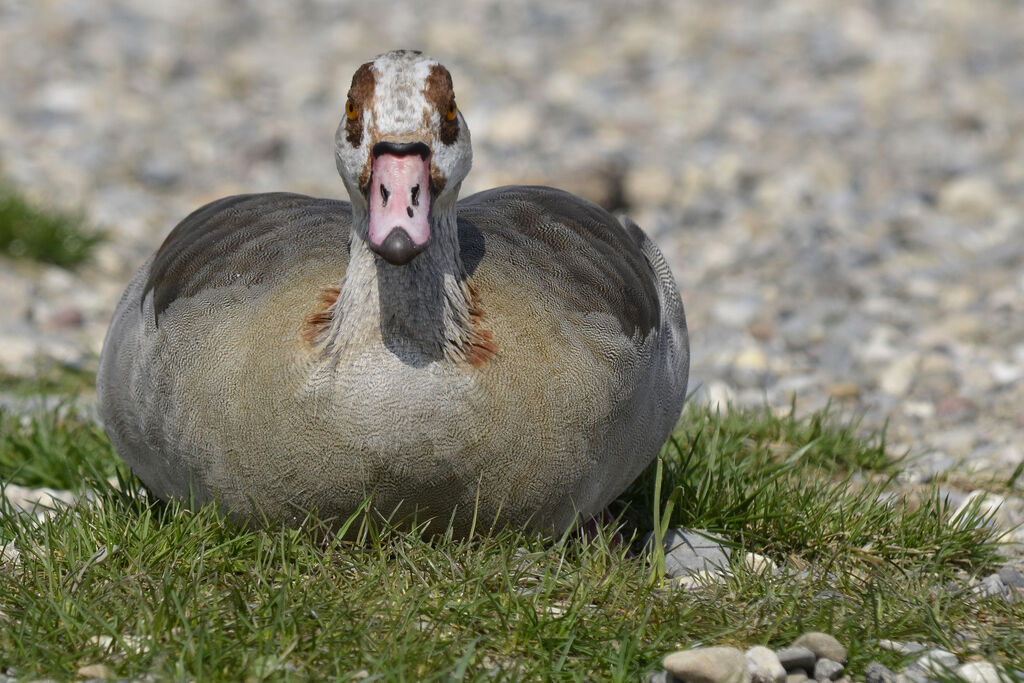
[(160, 173), (68, 317), (981, 672), (822, 645), (761, 331), (898, 377), (826, 669), (698, 580), (658, 677), (934, 662), (718, 394), (690, 552), (650, 185), (901, 647), (737, 311), (37, 500), (844, 390), (750, 368), (96, 671), (764, 665), (1012, 577), (989, 504), (970, 198), (991, 586), (797, 676), (759, 564), (878, 673), (925, 468), (793, 658), (9, 556), (1006, 373), (132, 644), (514, 126), (708, 665)]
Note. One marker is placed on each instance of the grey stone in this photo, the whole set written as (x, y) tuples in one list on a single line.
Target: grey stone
[(793, 658), (750, 368), (934, 662), (991, 586), (923, 469), (902, 647), (691, 552), (737, 311), (1012, 577), (915, 674), (764, 665), (822, 645), (878, 673), (797, 676), (708, 665), (981, 672), (826, 669)]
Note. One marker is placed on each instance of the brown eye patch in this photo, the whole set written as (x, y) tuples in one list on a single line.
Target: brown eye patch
[(441, 96), (360, 95)]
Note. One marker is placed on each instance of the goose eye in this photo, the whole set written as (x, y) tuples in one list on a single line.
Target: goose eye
[(452, 111), (351, 110)]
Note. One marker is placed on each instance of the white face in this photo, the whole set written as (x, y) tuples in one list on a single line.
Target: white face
[(403, 97)]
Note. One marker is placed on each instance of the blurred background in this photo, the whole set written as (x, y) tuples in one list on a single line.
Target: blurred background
[(838, 186)]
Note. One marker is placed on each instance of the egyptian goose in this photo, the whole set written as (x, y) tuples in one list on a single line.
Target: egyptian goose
[(518, 356)]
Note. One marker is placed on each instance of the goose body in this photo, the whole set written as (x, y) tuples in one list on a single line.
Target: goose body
[(517, 356)]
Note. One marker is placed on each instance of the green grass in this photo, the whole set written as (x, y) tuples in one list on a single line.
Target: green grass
[(30, 232), (49, 378), (147, 588)]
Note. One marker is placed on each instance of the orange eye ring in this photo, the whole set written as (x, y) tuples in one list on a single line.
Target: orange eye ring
[(452, 111), (351, 110)]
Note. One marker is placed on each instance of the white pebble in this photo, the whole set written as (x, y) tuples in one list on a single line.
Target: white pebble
[(764, 665), (981, 672), (708, 665)]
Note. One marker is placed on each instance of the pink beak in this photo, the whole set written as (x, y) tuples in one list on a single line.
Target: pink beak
[(399, 205)]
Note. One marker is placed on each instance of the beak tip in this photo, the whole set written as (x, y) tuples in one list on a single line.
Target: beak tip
[(398, 249)]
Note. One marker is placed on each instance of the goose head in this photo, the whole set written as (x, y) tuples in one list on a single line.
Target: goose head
[(402, 149)]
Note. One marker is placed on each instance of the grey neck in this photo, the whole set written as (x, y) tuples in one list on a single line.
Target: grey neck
[(419, 312)]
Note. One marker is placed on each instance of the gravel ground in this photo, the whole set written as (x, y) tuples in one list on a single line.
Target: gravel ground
[(839, 187)]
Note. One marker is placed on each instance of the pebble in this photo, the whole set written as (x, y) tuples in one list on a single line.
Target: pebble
[(750, 368), (934, 662), (899, 375), (981, 672), (1012, 577), (100, 671), (822, 645), (708, 665), (878, 673), (795, 657), (691, 552), (902, 647), (759, 564), (827, 670), (991, 586), (699, 579), (970, 198), (764, 665), (9, 556), (989, 506), (39, 501)]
